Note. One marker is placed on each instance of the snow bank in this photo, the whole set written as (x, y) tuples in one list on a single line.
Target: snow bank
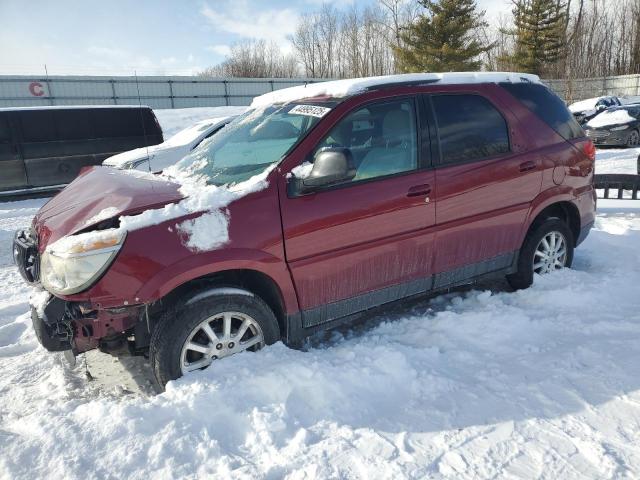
[(351, 86), (610, 117), (486, 383)]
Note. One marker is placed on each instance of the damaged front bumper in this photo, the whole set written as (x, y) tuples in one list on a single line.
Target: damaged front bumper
[(63, 326)]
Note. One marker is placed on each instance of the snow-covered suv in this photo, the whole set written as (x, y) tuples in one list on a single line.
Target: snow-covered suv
[(316, 204)]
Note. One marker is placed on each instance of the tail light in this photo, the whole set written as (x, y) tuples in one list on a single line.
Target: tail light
[(590, 150)]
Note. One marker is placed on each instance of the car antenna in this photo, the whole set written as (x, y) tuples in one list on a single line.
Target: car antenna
[(144, 130)]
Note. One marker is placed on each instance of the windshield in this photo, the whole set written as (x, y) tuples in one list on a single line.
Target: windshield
[(251, 143)]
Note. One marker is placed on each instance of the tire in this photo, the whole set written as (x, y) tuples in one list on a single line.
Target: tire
[(523, 278), (176, 331), (633, 140)]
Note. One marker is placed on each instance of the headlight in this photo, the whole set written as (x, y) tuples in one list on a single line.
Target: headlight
[(73, 263), (133, 164), (617, 129)]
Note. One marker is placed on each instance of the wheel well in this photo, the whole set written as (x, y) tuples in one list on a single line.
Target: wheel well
[(256, 282), (565, 211)]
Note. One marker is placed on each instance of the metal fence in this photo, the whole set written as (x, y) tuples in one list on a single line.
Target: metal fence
[(157, 92), (184, 92), (580, 89)]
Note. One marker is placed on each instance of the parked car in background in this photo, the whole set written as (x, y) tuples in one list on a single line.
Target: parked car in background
[(585, 110), (320, 202), (44, 148), (617, 126), (157, 157)]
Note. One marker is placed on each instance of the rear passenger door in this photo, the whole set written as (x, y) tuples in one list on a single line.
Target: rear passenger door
[(13, 175), (484, 186)]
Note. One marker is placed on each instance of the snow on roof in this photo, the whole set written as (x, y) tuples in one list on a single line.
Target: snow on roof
[(352, 86)]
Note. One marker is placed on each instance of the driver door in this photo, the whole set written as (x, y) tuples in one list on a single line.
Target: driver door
[(367, 241)]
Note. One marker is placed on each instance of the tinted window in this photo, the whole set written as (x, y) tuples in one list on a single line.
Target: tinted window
[(37, 126), (73, 124), (5, 132), (548, 106), (382, 139), (469, 127), (117, 122)]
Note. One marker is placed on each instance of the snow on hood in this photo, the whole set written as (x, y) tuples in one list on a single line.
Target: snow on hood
[(352, 86), (611, 117), (134, 155), (206, 228)]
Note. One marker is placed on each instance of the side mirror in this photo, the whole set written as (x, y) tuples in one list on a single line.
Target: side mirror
[(330, 166), (600, 108)]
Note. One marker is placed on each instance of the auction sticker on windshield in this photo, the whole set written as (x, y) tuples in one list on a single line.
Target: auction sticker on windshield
[(310, 110)]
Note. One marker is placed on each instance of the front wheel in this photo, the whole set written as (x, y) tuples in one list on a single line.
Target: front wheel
[(633, 140), (547, 248), (207, 329)]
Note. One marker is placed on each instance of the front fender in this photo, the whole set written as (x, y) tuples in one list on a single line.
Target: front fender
[(211, 262)]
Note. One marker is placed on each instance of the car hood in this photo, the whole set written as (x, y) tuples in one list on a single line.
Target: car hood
[(100, 193)]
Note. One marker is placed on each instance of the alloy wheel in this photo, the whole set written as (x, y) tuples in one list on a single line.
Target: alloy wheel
[(217, 337), (550, 254), (634, 139)]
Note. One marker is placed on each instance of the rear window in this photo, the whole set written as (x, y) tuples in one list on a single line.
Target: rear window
[(548, 106), (470, 128)]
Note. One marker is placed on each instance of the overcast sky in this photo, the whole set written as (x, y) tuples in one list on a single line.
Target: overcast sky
[(150, 36)]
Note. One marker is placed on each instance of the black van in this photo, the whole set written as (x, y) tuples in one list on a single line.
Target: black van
[(44, 148)]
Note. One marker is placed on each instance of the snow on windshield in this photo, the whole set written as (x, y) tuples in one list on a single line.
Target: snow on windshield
[(611, 117)]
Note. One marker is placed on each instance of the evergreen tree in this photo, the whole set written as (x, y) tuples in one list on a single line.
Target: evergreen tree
[(539, 30), (443, 38)]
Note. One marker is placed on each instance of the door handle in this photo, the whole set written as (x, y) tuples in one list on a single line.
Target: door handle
[(527, 166), (419, 190)]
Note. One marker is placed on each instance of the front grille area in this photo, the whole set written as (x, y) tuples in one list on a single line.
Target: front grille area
[(25, 255)]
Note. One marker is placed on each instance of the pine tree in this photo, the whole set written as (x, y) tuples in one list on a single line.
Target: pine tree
[(443, 38), (539, 30)]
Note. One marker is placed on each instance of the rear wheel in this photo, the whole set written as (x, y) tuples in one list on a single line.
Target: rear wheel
[(633, 140), (547, 248), (203, 331)]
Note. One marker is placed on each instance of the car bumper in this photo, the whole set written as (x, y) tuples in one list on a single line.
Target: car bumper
[(63, 325), (584, 232)]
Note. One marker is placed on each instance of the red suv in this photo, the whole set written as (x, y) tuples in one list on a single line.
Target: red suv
[(318, 203)]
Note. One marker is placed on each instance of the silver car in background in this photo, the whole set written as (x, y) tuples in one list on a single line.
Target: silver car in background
[(158, 157)]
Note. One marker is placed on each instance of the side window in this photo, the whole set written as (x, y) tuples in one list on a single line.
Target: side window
[(5, 131), (470, 128), (37, 126), (73, 124), (117, 122), (382, 138)]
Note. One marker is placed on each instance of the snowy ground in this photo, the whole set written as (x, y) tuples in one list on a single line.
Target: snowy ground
[(481, 383)]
